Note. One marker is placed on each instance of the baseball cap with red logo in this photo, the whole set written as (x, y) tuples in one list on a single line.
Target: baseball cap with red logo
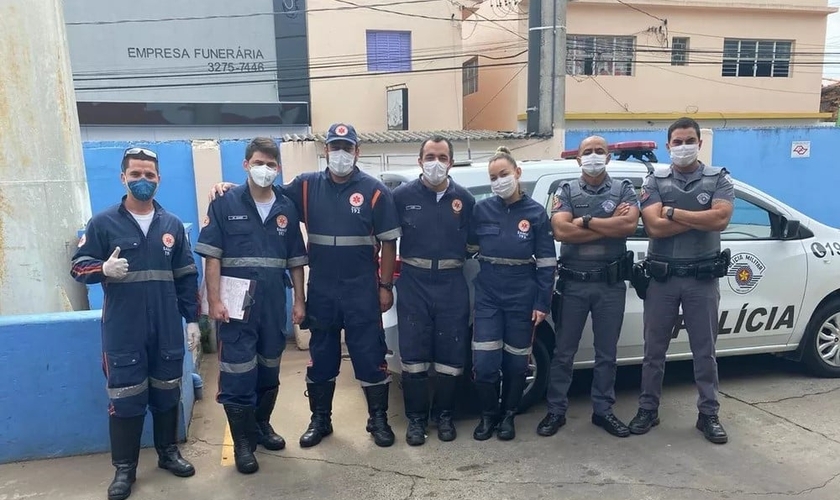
[(342, 132)]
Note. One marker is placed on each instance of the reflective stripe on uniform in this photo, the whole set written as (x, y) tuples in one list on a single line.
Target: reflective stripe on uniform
[(298, 261), (430, 264), (268, 362), (208, 250), (82, 258), (525, 351), (127, 392), (341, 241), (238, 367), (415, 367), (506, 262), (183, 271), (141, 276), (309, 381), (387, 380), (165, 384), (254, 262), (389, 235), (448, 370), (492, 345), (546, 262)]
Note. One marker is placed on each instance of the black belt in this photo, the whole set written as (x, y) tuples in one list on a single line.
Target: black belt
[(594, 276)]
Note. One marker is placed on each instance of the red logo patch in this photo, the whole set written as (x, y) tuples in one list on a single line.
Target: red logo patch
[(643, 195), (82, 241), (282, 221), (457, 206), (206, 221), (341, 130), (524, 226), (168, 240), (557, 203), (356, 199)]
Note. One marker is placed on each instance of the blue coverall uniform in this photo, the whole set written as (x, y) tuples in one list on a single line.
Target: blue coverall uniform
[(433, 306), (518, 262)]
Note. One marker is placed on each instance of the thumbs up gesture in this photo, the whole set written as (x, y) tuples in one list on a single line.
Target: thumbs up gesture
[(115, 267)]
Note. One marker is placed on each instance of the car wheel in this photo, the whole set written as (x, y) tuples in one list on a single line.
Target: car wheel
[(822, 342), (537, 378)]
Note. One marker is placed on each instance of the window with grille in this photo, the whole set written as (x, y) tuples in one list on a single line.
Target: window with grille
[(600, 55), (470, 76), (388, 51), (756, 58), (679, 51)]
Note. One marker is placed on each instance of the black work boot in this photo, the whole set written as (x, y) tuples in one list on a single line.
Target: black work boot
[(165, 425), (243, 431), (377, 424), (416, 400), (265, 433), (612, 424), (488, 396), (552, 423), (320, 404), (513, 386), (644, 421), (125, 452), (445, 388), (711, 428)]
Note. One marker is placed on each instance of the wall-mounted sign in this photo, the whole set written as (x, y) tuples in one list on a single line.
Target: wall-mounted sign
[(397, 109), (800, 149)]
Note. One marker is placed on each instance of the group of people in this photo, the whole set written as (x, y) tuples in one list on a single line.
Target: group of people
[(140, 254)]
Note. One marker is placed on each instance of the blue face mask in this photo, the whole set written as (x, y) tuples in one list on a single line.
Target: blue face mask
[(142, 189)]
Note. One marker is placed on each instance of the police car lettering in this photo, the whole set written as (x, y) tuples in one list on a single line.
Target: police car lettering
[(821, 250), (749, 320), (237, 217)]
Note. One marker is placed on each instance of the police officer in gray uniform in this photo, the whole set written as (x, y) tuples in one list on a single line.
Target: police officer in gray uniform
[(684, 209), (592, 218)]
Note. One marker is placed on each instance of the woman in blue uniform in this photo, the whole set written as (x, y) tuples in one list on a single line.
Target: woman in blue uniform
[(512, 235)]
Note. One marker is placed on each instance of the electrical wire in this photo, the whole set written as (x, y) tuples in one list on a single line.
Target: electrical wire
[(489, 102), (622, 2)]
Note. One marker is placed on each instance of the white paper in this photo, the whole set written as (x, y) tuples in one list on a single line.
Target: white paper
[(234, 292)]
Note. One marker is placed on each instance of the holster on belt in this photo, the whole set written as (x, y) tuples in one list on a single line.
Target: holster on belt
[(658, 270), (640, 279), (557, 302)]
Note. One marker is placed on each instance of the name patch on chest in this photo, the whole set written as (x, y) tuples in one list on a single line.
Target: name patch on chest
[(237, 217), (413, 207), (582, 205)]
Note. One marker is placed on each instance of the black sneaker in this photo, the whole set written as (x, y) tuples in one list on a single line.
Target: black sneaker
[(551, 424), (643, 421), (711, 428), (611, 424)]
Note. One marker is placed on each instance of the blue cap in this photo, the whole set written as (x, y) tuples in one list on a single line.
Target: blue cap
[(342, 132)]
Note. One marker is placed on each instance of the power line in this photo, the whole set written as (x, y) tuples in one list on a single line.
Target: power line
[(622, 2), (488, 103)]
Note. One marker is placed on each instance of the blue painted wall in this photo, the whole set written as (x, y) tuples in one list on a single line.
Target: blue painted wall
[(53, 401)]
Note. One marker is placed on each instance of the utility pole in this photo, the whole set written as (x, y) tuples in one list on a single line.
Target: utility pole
[(43, 190), (547, 68)]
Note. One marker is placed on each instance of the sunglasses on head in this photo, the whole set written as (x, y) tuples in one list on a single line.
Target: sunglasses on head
[(140, 152)]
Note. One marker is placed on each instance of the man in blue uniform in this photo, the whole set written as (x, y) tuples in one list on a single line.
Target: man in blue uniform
[(592, 218), (350, 216), (253, 234), (141, 256), (434, 306), (684, 208)]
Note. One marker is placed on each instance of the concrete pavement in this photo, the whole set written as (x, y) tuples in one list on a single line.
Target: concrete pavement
[(784, 431)]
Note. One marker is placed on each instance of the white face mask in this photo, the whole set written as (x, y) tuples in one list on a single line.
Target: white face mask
[(341, 162), (262, 175), (504, 187), (593, 164), (684, 155), (434, 172)]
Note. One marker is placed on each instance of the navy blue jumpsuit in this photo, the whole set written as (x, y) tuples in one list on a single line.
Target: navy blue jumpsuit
[(518, 262), (345, 223), (250, 351), (433, 305), (142, 330)]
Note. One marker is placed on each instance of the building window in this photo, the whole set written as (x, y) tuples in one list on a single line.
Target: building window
[(388, 51), (757, 58), (470, 76), (679, 51), (599, 55)]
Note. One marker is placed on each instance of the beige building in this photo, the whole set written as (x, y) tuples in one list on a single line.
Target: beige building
[(646, 62)]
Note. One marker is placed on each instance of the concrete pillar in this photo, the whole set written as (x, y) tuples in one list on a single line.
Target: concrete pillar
[(705, 153), (43, 191)]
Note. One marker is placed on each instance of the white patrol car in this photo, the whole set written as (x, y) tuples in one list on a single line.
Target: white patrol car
[(781, 294)]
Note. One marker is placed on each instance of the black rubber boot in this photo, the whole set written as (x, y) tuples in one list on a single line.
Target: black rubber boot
[(488, 396), (125, 452), (416, 398), (166, 436), (445, 388), (265, 433), (377, 424), (243, 431), (320, 404), (513, 386)]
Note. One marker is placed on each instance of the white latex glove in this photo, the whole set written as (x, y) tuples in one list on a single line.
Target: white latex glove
[(115, 267), (193, 335)]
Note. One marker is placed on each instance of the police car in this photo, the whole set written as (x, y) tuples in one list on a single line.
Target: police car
[(781, 294)]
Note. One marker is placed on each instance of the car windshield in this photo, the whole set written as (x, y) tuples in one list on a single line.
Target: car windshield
[(484, 191)]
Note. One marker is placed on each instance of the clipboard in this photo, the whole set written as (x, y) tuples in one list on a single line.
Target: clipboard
[(237, 295)]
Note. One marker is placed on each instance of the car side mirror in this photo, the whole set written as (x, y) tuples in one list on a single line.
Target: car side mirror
[(790, 229)]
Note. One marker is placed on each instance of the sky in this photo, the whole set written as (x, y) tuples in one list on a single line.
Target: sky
[(832, 43)]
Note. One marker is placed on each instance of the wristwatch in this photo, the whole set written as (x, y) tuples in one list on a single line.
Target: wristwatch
[(386, 286), (670, 213), (586, 218)]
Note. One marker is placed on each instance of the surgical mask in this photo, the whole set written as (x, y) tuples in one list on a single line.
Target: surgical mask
[(142, 189), (262, 175), (434, 172), (684, 155), (341, 162), (504, 187), (593, 164)]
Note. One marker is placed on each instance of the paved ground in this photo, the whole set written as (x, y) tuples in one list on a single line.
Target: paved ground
[(784, 442)]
